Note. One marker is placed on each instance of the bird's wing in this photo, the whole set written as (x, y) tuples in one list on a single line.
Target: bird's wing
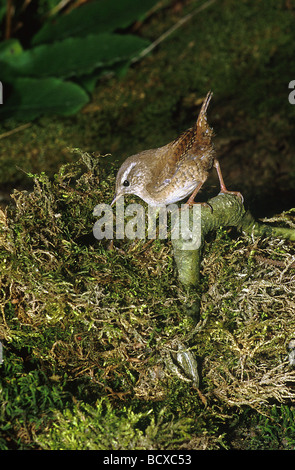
[(193, 144)]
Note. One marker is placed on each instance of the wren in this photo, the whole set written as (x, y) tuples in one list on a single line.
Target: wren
[(168, 174)]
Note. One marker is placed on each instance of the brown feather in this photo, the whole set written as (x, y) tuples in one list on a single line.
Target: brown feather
[(192, 144)]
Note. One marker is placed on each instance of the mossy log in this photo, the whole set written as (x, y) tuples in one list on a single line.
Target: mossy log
[(223, 210)]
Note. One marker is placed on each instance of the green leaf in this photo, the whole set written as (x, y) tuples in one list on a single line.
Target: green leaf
[(75, 56), (10, 49), (30, 98), (97, 17), (88, 82)]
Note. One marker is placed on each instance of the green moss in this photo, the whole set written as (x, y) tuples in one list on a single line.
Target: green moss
[(73, 307), (272, 432), (106, 427), (81, 322), (84, 327)]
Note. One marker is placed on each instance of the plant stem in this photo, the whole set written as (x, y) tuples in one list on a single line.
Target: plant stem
[(228, 210)]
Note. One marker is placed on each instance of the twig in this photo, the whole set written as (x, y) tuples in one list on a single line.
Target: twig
[(9, 9), (13, 131), (57, 8), (273, 262), (170, 31), (228, 210)]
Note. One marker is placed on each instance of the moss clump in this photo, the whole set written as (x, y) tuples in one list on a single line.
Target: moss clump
[(88, 331), (250, 319), (274, 432), (103, 426), (80, 320)]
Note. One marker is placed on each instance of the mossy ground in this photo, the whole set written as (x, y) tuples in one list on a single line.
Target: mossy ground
[(83, 326)]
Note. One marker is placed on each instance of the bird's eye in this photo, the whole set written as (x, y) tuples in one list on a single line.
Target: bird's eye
[(126, 183)]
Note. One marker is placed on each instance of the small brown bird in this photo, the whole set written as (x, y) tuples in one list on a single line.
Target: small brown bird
[(170, 173)]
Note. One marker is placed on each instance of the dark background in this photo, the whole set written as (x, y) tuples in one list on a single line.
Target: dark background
[(242, 51)]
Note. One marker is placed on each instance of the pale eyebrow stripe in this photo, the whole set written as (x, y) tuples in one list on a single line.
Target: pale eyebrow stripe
[(127, 171)]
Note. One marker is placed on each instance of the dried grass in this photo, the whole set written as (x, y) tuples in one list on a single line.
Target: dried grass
[(251, 321)]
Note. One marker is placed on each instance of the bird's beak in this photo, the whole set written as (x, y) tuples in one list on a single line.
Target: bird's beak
[(115, 199)]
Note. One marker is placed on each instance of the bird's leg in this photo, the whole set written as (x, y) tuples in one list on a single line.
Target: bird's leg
[(221, 181), (191, 201)]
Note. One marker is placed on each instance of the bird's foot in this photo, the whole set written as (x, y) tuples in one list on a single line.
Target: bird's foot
[(190, 203), (235, 193)]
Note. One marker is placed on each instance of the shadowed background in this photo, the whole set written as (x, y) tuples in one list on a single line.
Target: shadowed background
[(242, 51)]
